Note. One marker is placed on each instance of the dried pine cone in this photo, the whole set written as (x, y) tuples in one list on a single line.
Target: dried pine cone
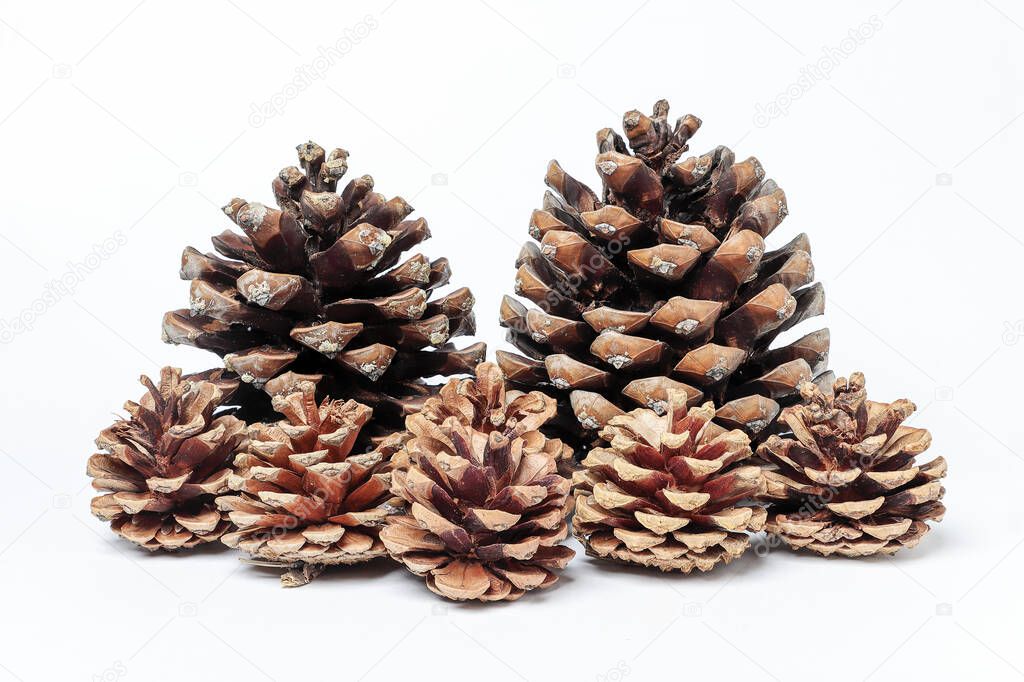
[(316, 286), (662, 282), (487, 506), (845, 480), (667, 491), (167, 462), (306, 501)]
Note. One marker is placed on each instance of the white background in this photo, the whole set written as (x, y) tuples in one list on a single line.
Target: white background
[(133, 122)]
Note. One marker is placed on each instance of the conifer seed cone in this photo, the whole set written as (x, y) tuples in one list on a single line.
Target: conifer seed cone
[(663, 282), (316, 286), (845, 481), (163, 466), (487, 507), (305, 499), (668, 491)]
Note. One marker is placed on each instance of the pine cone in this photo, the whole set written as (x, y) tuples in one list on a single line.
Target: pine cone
[(167, 462), (488, 508), (663, 283), (668, 491), (846, 481), (316, 287), (306, 501)]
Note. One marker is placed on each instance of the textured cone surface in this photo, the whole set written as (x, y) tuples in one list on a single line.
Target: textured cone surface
[(663, 282), (668, 491), (163, 466), (304, 497), (321, 285), (487, 506), (845, 480)]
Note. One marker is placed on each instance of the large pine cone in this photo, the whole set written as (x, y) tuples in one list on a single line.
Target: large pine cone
[(668, 491), (317, 287), (166, 463), (487, 506), (306, 501), (663, 283), (846, 481)]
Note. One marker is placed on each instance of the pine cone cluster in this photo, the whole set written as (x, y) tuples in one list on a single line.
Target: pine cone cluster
[(306, 501), (163, 466), (661, 283), (316, 286), (845, 478), (652, 350), (487, 508), (668, 491)]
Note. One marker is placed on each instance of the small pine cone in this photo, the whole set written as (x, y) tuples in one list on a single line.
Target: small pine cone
[(845, 479), (166, 463), (667, 492), (488, 507), (305, 500)]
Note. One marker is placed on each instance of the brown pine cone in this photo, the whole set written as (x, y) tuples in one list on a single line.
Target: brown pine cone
[(306, 501), (488, 508), (668, 491), (316, 286), (661, 282), (166, 463), (845, 479)]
